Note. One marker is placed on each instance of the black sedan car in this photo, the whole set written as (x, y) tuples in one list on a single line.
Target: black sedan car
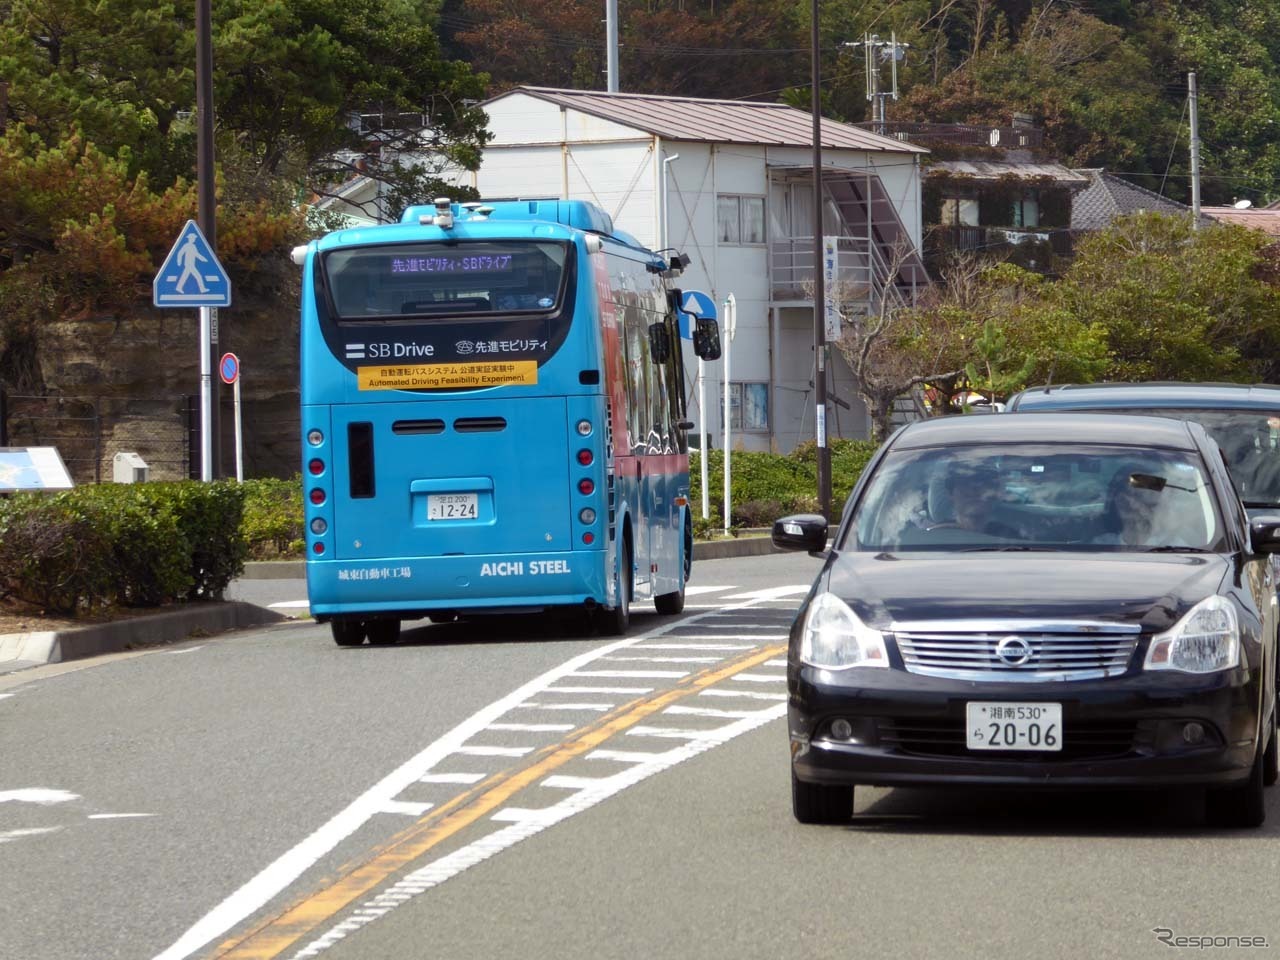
[(1062, 600)]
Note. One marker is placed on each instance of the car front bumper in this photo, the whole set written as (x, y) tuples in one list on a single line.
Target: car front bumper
[(1123, 732)]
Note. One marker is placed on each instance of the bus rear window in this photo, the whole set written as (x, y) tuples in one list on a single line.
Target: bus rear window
[(425, 280)]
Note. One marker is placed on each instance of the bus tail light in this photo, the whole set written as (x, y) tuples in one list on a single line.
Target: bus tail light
[(586, 487), (584, 428), (317, 548), (316, 467), (588, 537), (319, 526), (585, 457), (317, 496), (587, 515)]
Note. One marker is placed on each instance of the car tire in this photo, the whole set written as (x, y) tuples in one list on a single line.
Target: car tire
[(383, 633), (1239, 807), (821, 802), (347, 633), (1271, 759), (616, 622)]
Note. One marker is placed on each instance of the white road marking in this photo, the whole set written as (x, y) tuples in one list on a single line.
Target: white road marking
[(406, 807), (482, 751), (663, 659), (528, 823), (673, 733), (771, 593), (698, 591), (623, 674), (597, 707), (696, 646), (629, 756), (174, 653), (560, 781), (452, 778), (678, 709), (774, 663), (38, 795), (532, 727), (5, 695), (29, 832), (760, 677), (599, 690), (748, 694), (118, 816)]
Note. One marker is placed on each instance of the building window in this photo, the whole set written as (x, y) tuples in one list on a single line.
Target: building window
[(739, 220), (958, 211), (1026, 211), (749, 407)]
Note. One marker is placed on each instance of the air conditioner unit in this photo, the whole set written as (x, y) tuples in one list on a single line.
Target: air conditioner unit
[(129, 468)]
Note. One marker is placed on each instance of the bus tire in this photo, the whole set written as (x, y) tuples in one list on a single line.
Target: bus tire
[(614, 623), (347, 633), (383, 633), (673, 603)]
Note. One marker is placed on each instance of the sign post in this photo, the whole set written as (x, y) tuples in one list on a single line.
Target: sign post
[(694, 306), (229, 370), (730, 321), (192, 276)]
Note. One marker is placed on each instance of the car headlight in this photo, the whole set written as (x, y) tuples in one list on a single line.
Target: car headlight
[(835, 638), (1205, 640)]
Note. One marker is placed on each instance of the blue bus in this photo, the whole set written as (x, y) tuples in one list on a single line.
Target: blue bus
[(493, 419)]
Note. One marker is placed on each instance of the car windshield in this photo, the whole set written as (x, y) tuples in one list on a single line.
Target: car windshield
[(1044, 496), (1250, 442)]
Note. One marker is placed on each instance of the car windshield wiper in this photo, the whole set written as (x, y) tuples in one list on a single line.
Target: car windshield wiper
[(1172, 548), (1258, 504)]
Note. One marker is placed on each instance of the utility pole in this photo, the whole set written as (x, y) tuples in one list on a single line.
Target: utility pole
[(876, 50), (611, 43), (207, 218), (819, 294), (1195, 151)]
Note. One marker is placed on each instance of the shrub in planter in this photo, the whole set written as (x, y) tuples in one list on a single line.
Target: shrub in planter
[(53, 554), (273, 517), (150, 552)]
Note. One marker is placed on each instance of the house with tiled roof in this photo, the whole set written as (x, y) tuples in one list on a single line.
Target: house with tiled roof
[(1107, 197), (1255, 218)]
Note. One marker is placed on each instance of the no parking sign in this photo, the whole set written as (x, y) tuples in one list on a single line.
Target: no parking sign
[(229, 368)]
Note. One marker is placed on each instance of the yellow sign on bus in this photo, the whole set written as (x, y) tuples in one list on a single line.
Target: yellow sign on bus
[(447, 376)]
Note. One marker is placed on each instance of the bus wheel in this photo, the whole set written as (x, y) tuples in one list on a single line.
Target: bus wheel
[(384, 632), (614, 623), (671, 603), (347, 633)]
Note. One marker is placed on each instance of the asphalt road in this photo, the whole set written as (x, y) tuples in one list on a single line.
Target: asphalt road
[(484, 792)]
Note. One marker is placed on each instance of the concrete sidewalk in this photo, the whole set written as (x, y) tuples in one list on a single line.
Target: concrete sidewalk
[(21, 650)]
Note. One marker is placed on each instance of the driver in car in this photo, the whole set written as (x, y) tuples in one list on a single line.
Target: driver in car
[(974, 494)]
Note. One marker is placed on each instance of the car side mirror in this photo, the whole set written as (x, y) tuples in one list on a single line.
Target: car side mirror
[(706, 339), (659, 342), (801, 531), (1264, 534)]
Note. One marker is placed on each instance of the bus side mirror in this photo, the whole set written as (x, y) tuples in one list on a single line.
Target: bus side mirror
[(675, 297), (706, 339), (659, 342)]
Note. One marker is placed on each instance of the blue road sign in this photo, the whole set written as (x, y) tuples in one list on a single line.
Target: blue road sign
[(696, 305), (229, 368), (191, 275)]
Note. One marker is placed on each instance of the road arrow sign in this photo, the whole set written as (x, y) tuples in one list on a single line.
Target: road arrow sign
[(697, 305), (191, 275)]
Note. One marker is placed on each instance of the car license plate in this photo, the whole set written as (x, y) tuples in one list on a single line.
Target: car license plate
[(451, 506), (1014, 726)]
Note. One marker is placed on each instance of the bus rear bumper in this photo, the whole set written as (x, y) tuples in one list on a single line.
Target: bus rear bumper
[(458, 583)]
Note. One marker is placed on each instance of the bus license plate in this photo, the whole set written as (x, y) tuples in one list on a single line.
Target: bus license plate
[(1014, 726), (451, 506)]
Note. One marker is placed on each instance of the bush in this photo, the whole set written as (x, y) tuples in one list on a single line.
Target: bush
[(273, 519), (142, 545)]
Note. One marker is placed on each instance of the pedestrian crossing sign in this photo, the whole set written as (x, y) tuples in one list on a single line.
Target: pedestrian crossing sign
[(191, 275)]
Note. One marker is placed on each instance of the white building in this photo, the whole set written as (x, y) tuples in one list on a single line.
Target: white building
[(729, 183)]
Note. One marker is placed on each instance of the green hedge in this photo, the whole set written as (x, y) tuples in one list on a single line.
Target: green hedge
[(134, 545), (766, 486), (273, 518)]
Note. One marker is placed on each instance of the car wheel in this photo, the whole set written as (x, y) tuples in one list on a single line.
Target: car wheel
[(615, 622), (1271, 759), (347, 633), (384, 632), (1242, 806), (820, 802)]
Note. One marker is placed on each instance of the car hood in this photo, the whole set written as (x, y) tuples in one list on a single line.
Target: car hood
[(1153, 591)]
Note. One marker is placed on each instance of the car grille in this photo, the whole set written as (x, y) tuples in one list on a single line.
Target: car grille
[(944, 737), (972, 651)]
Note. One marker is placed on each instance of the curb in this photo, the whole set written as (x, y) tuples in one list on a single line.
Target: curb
[(20, 650)]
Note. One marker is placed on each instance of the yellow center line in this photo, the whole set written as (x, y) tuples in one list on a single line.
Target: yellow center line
[(269, 939)]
